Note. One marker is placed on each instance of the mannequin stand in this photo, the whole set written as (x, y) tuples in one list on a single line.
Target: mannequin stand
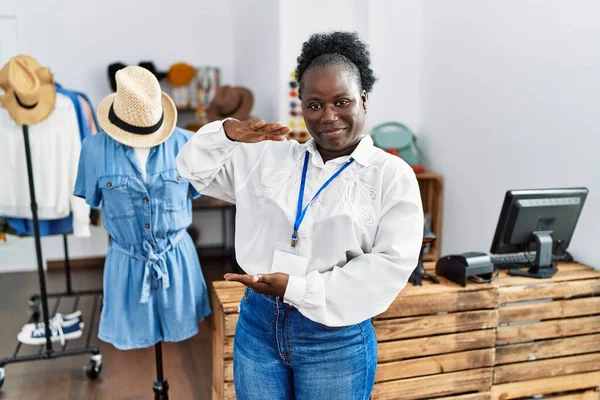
[(46, 352), (161, 385)]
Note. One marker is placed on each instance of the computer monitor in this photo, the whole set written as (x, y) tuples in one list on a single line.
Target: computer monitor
[(540, 220)]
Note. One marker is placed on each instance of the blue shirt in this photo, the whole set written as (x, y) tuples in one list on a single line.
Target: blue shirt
[(153, 284), (135, 210), (24, 227), (145, 219)]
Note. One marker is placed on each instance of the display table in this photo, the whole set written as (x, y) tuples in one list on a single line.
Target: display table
[(548, 335), (475, 342)]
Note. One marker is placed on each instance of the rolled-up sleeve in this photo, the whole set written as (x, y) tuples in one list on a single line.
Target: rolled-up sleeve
[(86, 184)]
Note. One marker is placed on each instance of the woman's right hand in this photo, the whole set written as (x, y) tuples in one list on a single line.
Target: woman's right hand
[(254, 131)]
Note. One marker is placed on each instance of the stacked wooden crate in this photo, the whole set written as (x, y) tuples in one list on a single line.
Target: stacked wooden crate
[(225, 299), (437, 340), (548, 338), (528, 337)]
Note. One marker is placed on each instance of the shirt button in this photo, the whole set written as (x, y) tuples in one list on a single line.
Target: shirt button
[(109, 184), (147, 226), (178, 178), (146, 199)]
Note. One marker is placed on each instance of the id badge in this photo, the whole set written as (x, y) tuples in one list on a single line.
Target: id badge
[(289, 261)]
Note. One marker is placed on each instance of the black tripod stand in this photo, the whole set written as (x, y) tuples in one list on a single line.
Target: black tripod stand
[(46, 352)]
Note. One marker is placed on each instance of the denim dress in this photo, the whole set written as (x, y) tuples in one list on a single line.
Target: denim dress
[(154, 289)]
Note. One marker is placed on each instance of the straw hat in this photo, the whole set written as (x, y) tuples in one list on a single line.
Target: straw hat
[(231, 102), (138, 114), (29, 61), (30, 94)]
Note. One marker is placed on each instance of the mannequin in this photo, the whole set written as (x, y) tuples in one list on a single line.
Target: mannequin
[(154, 290)]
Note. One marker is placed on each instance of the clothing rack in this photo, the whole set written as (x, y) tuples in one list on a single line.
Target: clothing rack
[(47, 352)]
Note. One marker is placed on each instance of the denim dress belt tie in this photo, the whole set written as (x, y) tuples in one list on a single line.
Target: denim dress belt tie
[(154, 263)]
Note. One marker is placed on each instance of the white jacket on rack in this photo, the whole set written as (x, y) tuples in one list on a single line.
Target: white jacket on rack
[(55, 145)]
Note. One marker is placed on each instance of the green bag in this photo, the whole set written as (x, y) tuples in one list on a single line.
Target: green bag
[(397, 139)]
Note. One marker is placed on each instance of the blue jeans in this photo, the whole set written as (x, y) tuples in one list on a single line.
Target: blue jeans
[(279, 354)]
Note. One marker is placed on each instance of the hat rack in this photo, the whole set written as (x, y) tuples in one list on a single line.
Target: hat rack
[(47, 351), (199, 92)]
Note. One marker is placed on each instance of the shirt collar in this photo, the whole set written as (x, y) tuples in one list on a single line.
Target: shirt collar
[(130, 154), (362, 154)]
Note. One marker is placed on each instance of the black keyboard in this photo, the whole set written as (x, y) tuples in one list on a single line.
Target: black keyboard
[(513, 258), (524, 258)]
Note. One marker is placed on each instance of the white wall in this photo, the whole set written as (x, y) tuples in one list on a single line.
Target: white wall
[(299, 20), (79, 39), (8, 37), (394, 36), (18, 254), (256, 53), (509, 99)]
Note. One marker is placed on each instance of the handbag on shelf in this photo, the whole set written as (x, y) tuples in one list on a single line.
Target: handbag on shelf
[(398, 139)]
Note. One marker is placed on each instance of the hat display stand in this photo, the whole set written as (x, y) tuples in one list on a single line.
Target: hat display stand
[(205, 85), (47, 352)]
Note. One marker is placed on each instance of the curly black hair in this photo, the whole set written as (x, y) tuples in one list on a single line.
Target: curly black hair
[(343, 49)]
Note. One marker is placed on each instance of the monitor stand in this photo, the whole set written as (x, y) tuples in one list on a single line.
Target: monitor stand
[(543, 267)]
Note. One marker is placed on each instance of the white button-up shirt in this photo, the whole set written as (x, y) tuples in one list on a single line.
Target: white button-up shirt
[(361, 236), (55, 145)]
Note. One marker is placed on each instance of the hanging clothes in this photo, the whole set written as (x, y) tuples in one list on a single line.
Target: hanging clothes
[(88, 125), (153, 284), (84, 129), (24, 227), (55, 144), (90, 116)]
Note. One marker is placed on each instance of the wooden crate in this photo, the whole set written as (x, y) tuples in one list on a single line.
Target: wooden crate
[(471, 396), (445, 332), (473, 343), (431, 186), (437, 340), (225, 299), (548, 337)]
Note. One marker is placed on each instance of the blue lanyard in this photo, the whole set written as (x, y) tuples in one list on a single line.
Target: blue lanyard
[(301, 212)]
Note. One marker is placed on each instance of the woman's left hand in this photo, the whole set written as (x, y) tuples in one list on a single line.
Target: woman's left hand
[(270, 284)]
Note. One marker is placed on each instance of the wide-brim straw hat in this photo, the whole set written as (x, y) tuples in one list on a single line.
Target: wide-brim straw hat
[(139, 114), (30, 94), (231, 102)]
